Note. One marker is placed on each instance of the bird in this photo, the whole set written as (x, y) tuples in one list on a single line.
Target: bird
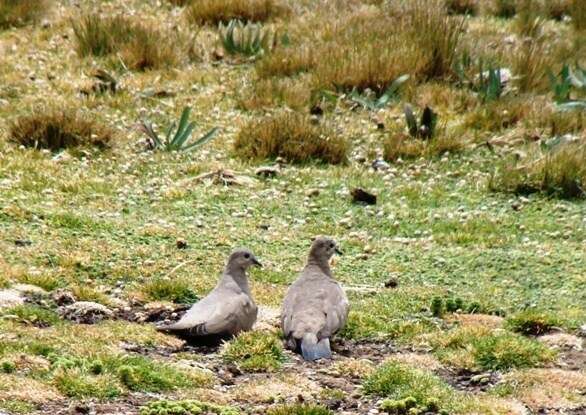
[(315, 306), (227, 310)]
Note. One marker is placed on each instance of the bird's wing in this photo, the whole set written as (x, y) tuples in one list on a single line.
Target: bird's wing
[(230, 315), (336, 307), (198, 314)]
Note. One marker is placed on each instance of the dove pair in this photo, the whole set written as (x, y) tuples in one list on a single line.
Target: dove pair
[(314, 309)]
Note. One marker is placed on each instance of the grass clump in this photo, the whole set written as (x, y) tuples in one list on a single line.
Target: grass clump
[(414, 387), (176, 290), (532, 322), (75, 383), (299, 409), (16, 13), (292, 136), (185, 407), (479, 348), (503, 8), (255, 351), (560, 173), (47, 282), (34, 315), (7, 367), (222, 11), (402, 146), (57, 129), (139, 46)]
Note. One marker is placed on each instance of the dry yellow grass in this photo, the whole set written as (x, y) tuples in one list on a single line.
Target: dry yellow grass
[(216, 11), (15, 13)]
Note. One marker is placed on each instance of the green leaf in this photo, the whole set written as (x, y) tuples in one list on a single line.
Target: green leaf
[(185, 136), (202, 140), (182, 123)]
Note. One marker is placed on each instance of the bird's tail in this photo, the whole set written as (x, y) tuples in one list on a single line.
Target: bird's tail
[(312, 349)]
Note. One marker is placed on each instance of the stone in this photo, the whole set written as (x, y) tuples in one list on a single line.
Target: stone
[(362, 196), (10, 298), (29, 289), (85, 312), (267, 171), (181, 243), (63, 297), (312, 192)]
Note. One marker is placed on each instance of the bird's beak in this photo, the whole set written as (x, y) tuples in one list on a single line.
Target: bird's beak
[(255, 262), (337, 250)]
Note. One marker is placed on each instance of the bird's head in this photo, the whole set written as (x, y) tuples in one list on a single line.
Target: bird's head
[(242, 258), (323, 248)]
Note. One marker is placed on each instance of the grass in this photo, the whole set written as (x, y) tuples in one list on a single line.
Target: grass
[(299, 409), (255, 352), (185, 407), (559, 173), (397, 381), (477, 348), (402, 146), (104, 224), (34, 315), (292, 136), (140, 46), (16, 13), (175, 290), (532, 322), (56, 129), (578, 15), (468, 7), (214, 12)]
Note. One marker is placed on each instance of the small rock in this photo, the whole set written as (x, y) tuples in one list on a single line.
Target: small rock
[(316, 110), (22, 242), (29, 289), (62, 297), (85, 312), (312, 192), (392, 282), (360, 159), (362, 196), (267, 171), (10, 298), (379, 164), (480, 379), (582, 331), (346, 222), (181, 243), (516, 206)]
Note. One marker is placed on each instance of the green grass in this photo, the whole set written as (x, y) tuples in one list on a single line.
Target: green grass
[(299, 409), (185, 407), (532, 322), (34, 315), (255, 351), (397, 381), (170, 289)]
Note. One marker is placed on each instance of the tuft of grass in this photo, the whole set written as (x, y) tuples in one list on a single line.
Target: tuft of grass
[(17, 406), (529, 20), (222, 11), (87, 293), (274, 92), (506, 351), (398, 381), (47, 281), (34, 315), (16, 13), (176, 290), (255, 351), (560, 173), (530, 64), (479, 348), (140, 46), (402, 146), (186, 407), (467, 7), (56, 129), (75, 383), (498, 115), (292, 136), (299, 409), (286, 61), (7, 366), (532, 322)]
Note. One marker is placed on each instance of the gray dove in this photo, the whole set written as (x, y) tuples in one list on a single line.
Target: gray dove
[(227, 310), (315, 306)]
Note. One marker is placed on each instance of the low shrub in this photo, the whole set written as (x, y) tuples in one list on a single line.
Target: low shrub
[(292, 136), (255, 352), (56, 129)]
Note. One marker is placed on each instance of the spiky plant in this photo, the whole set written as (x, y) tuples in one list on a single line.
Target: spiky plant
[(248, 39)]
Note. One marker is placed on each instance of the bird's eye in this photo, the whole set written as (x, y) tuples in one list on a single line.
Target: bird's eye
[(246, 256)]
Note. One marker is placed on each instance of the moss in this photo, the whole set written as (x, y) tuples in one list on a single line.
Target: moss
[(185, 407), (299, 409)]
